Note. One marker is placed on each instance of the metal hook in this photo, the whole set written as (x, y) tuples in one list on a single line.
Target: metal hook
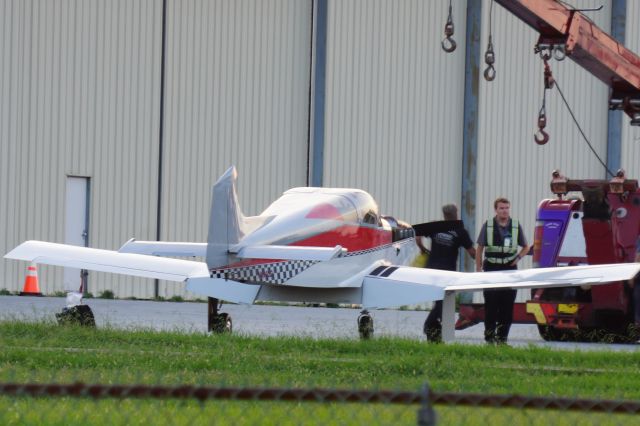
[(489, 59), (541, 137), (448, 43), (490, 73)]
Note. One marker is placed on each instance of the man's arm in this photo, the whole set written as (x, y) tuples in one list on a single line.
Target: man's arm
[(421, 244), (467, 243), (479, 252), (522, 242), (472, 252), (522, 253)]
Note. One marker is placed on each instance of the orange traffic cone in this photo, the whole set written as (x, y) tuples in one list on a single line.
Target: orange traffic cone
[(31, 287)]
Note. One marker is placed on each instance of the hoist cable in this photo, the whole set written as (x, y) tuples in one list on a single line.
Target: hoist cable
[(581, 131)]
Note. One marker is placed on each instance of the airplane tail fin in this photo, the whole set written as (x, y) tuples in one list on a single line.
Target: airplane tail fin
[(226, 221)]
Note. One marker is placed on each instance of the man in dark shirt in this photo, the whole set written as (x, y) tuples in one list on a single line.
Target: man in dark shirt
[(445, 246)]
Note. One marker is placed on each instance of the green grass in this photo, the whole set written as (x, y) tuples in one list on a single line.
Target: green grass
[(44, 352)]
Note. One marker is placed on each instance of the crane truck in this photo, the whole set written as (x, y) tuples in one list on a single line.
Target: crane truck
[(599, 223), (602, 223)]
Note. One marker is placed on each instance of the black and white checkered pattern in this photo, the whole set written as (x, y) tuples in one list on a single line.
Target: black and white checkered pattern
[(265, 273), (281, 272), (382, 247)]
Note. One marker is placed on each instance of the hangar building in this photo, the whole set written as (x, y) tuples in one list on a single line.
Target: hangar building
[(117, 116)]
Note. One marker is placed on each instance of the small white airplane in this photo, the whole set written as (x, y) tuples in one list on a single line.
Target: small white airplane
[(319, 245)]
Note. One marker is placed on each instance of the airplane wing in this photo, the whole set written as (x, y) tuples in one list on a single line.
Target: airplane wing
[(389, 286), (163, 248), (108, 261)]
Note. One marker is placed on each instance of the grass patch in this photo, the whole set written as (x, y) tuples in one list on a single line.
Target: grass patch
[(44, 352), (107, 294)]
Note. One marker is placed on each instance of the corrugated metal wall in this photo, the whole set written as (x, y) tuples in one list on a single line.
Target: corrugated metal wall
[(630, 161), (394, 104), (237, 94), (79, 84), (510, 163), (80, 95)]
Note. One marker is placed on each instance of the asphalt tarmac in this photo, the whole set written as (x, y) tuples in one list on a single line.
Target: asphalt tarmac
[(260, 320)]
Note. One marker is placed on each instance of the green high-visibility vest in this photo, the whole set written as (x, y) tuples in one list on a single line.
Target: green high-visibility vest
[(501, 254)]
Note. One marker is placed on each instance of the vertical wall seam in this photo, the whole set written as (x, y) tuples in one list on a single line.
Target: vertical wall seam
[(160, 132), (310, 94), (320, 67)]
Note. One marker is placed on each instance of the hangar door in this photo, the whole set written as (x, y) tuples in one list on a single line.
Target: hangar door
[(76, 225)]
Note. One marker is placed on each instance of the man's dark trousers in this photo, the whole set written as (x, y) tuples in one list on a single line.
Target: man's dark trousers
[(498, 308)]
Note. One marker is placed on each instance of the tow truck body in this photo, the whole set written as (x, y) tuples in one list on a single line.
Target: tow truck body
[(599, 226)]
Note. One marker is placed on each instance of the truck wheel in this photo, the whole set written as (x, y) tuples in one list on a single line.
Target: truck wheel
[(552, 334), (549, 334)]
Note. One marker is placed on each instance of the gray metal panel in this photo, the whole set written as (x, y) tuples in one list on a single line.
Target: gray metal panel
[(630, 160), (510, 163), (237, 93), (79, 84), (394, 104)]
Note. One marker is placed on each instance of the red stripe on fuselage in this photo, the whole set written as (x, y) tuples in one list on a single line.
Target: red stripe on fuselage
[(351, 237)]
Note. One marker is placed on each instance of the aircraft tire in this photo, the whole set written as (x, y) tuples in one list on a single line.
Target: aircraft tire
[(77, 315), (222, 323), (365, 325)]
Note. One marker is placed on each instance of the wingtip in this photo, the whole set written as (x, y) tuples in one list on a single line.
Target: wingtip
[(19, 252), (122, 249)]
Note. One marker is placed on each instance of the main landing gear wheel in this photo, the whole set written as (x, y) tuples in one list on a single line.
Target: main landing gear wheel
[(221, 323), (217, 322), (365, 325), (77, 315)]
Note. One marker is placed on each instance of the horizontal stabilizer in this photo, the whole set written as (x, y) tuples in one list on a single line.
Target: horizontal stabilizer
[(164, 248), (408, 285), (108, 261), (291, 252), (229, 290)]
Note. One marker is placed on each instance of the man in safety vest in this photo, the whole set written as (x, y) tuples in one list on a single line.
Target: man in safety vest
[(499, 240)]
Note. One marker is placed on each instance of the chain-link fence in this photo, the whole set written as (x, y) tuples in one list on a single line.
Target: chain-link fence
[(80, 403)]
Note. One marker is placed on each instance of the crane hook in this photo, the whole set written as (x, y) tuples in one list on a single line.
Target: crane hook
[(489, 59), (448, 43), (541, 137)]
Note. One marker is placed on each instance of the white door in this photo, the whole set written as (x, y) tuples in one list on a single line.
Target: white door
[(76, 225)]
